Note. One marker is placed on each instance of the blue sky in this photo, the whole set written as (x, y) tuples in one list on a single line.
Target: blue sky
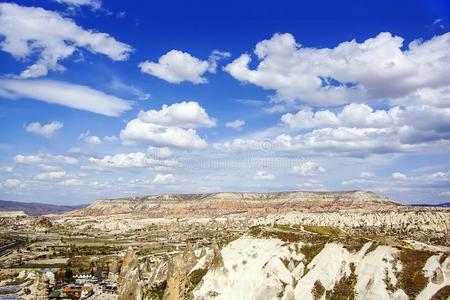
[(106, 99)]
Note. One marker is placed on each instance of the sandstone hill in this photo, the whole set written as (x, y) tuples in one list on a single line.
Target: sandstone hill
[(246, 203)]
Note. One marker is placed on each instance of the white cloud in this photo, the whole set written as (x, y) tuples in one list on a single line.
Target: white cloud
[(365, 174), (214, 58), (172, 126), (347, 141), (263, 175), (130, 160), (93, 139), (140, 132), (176, 66), (377, 68), (62, 93), (90, 139), (4, 169), (352, 115), (311, 185), (94, 4), (71, 182), (32, 30), (100, 184), (436, 97), (164, 179), (240, 145), (44, 158), (49, 168), (307, 168), (50, 175), (236, 124), (401, 182), (184, 114), (110, 138), (118, 85), (399, 176), (12, 183), (46, 130), (159, 152), (410, 125)]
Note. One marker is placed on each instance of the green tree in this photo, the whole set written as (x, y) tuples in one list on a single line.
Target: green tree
[(68, 275)]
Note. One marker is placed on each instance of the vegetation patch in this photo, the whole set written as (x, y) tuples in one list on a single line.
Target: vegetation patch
[(318, 290), (442, 294), (157, 292), (285, 236), (323, 230), (310, 251), (196, 276), (412, 279), (354, 244), (345, 288)]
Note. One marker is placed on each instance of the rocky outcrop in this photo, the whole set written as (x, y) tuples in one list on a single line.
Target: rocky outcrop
[(437, 272), (178, 284), (38, 289), (130, 262), (263, 269), (129, 283), (132, 286)]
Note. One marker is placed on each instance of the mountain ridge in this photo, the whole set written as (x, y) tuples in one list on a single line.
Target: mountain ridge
[(249, 203), (35, 208)]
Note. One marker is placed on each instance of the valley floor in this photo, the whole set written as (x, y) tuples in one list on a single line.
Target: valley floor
[(328, 255)]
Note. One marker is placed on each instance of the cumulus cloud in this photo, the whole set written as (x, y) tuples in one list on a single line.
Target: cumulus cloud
[(164, 179), (184, 114), (263, 175), (66, 94), (172, 126), (130, 160), (110, 138), (376, 68), (399, 176), (352, 115), (28, 31), (401, 182), (435, 97), (311, 185), (214, 58), (6, 169), (90, 139), (240, 145), (159, 152), (365, 174), (140, 132), (44, 158), (236, 124), (70, 182), (414, 124), (50, 175), (307, 168), (12, 183), (347, 141), (176, 66), (45, 130)]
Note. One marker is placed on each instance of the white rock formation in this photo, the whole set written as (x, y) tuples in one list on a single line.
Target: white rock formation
[(266, 269)]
